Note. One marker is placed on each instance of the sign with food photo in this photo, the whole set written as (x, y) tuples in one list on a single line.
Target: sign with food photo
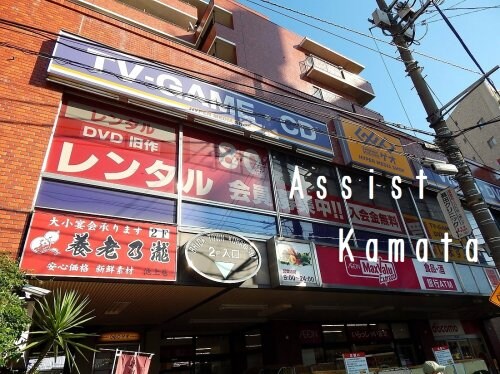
[(295, 263)]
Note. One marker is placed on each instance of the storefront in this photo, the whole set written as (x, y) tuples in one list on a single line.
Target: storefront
[(173, 212)]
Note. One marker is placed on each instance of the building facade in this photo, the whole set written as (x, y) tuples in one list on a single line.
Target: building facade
[(479, 144), (205, 176)]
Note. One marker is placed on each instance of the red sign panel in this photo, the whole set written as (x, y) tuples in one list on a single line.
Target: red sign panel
[(353, 355), (361, 272), (225, 170), (70, 245), (99, 145)]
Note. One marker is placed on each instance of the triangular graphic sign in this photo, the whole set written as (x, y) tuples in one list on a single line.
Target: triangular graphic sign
[(224, 267)]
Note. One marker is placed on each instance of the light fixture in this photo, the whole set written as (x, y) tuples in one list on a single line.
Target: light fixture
[(243, 307), (117, 307)]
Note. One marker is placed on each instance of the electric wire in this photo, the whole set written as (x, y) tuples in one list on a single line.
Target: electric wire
[(357, 32), (171, 68), (436, 14), (459, 15), (473, 148), (395, 88), (92, 70)]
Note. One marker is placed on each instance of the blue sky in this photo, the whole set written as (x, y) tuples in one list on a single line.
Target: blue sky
[(479, 30)]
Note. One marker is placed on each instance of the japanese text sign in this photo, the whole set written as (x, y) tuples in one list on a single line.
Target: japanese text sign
[(68, 245), (226, 171), (363, 215), (443, 355), (437, 276), (373, 149), (102, 68), (453, 213), (295, 263), (355, 363), (364, 273), (92, 143)]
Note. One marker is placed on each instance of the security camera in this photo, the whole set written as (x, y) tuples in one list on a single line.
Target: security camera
[(444, 169), (30, 290)]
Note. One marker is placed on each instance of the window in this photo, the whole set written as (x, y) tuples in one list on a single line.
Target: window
[(492, 142)]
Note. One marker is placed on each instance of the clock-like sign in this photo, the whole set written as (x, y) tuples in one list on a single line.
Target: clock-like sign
[(223, 257)]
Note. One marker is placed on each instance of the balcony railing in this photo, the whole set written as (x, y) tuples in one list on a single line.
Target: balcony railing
[(337, 78)]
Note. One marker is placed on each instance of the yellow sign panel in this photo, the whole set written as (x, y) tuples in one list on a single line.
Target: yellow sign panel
[(119, 336), (495, 296), (375, 149), (435, 230)]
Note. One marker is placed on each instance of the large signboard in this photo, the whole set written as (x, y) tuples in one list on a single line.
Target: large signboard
[(223, 257), (435, 230), (453, 213), (111, 148), (294, 263), (364, 273), (100, 67), (70, 245), (371, 148), (225, 170), (437, 276)]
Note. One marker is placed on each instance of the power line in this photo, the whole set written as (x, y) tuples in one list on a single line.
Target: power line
[(354, 31), (436, 14), (394, 86), (171, 68), (92, 70), (456, 15)]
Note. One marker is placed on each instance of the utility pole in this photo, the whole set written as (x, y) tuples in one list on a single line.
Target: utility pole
[(444, 139)]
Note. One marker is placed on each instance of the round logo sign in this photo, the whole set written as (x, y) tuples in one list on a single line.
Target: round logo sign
[(223, 257)]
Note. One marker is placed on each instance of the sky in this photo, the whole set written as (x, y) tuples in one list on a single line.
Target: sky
[(479, 30)]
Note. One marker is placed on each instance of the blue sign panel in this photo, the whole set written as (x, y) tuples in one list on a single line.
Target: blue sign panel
[(91, 65), (490, 192), (437, 180)]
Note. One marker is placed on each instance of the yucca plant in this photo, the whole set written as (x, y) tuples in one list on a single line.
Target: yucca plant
[(56, 321)]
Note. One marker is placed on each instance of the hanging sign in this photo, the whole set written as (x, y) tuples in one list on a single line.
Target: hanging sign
[(71, 245), (93, 65), (453, 213), (223, 257), (355, 363)]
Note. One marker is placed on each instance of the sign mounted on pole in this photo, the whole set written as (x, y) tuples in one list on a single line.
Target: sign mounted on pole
[(453, 213), (495, 296)]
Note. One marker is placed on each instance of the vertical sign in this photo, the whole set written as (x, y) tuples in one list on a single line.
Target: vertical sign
[(443, 355), (454, 214), (355, 363)]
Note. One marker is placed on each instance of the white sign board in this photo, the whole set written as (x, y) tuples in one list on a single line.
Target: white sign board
[(296, 263), (454, 214), (443, 355), (355, 363), (437, 276)]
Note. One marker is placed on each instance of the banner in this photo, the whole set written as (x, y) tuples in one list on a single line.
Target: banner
[(225, 170), (70, 245), (375, 149), (94, 144), (454, 214)]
